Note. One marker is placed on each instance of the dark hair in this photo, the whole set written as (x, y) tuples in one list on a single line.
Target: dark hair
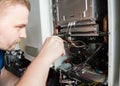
[(6, 3)]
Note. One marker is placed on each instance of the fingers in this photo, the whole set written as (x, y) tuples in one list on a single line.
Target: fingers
[(57, 40), (61, 43)]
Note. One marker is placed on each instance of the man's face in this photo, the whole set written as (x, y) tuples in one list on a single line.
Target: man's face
[(13, 21)]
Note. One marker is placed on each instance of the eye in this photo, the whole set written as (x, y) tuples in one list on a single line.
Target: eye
[(21, 26)]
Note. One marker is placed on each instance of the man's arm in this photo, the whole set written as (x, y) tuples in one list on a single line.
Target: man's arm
[(37, 72)]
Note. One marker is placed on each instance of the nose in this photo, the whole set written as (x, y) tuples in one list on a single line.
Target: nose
[(23, 33)]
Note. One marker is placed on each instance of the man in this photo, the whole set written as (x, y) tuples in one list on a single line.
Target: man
[(13, 21)]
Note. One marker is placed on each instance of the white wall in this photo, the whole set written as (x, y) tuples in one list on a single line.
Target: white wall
[(39, 26)]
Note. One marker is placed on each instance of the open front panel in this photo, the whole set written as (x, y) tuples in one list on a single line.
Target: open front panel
[(83, 26)]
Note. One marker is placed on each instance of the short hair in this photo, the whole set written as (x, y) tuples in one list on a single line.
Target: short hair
[(6, 3)]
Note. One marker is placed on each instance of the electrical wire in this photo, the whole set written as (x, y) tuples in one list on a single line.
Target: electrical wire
[(78, 68)]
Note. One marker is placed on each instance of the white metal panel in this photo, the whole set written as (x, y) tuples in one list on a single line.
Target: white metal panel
[(114, 42)]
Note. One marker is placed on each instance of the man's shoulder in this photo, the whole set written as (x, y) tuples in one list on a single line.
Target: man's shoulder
[(1, 59)]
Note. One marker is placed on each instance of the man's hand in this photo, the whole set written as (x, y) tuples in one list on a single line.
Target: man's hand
[(52, 48)]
